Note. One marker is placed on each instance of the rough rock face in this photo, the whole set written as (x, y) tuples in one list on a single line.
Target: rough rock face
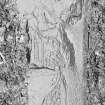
[(41, 52)]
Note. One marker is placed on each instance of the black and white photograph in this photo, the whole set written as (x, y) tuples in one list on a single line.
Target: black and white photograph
[(52, 52)]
